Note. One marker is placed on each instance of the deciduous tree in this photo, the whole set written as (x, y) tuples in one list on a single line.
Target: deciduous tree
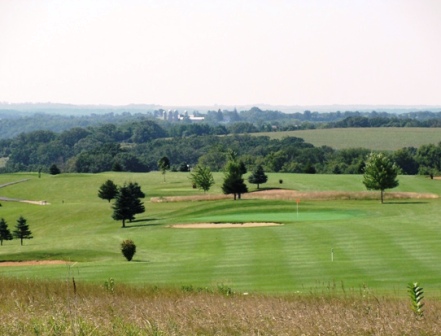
[(202, 178), (380, 173), (429, 158), (164, 165)]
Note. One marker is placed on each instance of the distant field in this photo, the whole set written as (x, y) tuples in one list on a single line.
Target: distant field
[(383, 138), (380, 247)]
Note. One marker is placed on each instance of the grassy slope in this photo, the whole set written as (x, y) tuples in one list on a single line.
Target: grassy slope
[(380, 246), (382, 138)]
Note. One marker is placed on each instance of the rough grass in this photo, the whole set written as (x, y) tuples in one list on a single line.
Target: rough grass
[(283, 194), (64, 308)]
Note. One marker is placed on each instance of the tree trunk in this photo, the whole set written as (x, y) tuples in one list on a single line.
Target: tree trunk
[(124, 223), (234, 196), (382, 196), (21, 241)]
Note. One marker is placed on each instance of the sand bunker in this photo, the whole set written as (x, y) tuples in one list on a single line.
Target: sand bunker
[(221, 225), (33, 262)]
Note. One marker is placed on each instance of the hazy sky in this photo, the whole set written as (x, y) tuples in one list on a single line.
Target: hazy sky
[(233, 52)]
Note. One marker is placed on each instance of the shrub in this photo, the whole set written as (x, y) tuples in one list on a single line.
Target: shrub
[(54, 170), (128, 249)]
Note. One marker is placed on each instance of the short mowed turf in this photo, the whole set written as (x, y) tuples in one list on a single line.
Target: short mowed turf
[(348, 244)]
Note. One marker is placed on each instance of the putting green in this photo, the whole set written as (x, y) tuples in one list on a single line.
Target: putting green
[(325, 215)]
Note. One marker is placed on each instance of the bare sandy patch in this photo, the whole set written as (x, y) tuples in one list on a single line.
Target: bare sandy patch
[(33, 263), (35, 202), (221, 225)]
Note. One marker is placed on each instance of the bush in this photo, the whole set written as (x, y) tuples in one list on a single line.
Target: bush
[(128, 249), (54, 170)]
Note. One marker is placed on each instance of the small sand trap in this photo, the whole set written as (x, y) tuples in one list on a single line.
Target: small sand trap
[(33, 263), (221, 225)]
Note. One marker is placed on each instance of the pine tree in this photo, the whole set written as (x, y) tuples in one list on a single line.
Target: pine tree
[(5, 234), (108, 190), (127, 204), (22, 230), (135, 189), (234, 184), (233, 181), (258, 176)]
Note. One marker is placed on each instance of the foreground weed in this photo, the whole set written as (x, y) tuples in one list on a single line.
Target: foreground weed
[(416, 294), (224, 290), (110, 285)]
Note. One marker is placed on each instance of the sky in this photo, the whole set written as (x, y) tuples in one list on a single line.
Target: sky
[(226, 52)]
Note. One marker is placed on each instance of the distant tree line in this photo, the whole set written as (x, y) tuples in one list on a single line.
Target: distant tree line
[(139, 146), (218, 122)]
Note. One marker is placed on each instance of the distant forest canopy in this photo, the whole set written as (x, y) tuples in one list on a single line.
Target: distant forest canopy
[(135, 143), (177, 123)]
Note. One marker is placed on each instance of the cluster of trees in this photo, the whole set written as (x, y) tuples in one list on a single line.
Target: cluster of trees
[(134, 143), (127, 200), (21, 230), (380, 173), (138, 148), (260, 117), (219, 122), (233, 183)]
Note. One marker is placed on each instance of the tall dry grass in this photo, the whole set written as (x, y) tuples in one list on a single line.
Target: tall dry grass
[(283, 194), (31, 307)]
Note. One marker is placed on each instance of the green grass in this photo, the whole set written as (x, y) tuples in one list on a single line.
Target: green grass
[(383, 247), (382, 138)]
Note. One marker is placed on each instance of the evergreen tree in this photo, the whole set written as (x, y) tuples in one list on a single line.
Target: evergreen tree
[(233, 181), (258, 176), (108, 190), (5, 234), (22, 230), (54, 170), (380, 173), (127, 205), (135, 189)]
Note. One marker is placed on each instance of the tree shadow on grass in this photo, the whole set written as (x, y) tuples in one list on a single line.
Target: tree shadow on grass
[(141, 222), (404, 202), (140, 261)]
